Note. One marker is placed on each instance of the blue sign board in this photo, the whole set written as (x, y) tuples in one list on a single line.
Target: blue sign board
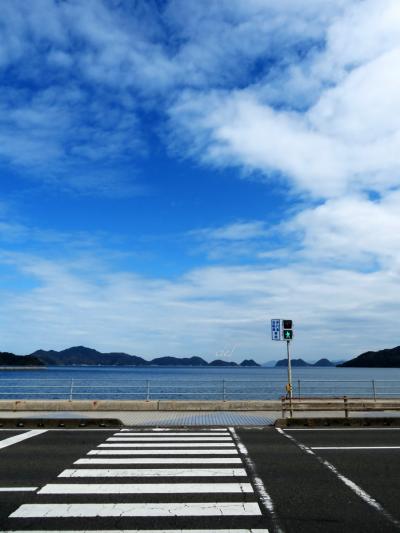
[(276, 329)]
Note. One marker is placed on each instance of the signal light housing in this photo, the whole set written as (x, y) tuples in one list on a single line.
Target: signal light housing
[(287, 330)]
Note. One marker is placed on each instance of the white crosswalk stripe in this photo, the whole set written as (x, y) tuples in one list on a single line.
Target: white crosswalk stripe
[(145, 488), (177, 455), (158, 461), (166, 445), (84, 510), (252, 530), (229, 451), (168, 439), (172, 433), (154, 472)]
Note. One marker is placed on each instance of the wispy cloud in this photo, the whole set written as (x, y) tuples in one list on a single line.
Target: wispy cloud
[(206, 309), (76, 87), (238, 231)]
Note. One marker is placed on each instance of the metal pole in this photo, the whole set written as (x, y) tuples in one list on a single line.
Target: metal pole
[(223, 390), (71, 389), (148, 390), (374, 389), (289, 371), (299, 388)]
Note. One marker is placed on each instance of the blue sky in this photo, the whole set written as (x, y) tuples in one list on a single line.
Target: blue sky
[(176, 173)]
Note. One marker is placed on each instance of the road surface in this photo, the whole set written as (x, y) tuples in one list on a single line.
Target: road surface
[(243, 480)]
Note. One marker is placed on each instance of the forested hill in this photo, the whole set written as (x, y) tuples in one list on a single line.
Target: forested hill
[(388, 358), (10, 359)]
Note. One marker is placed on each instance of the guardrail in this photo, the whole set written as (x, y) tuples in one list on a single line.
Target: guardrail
[(80, 389)]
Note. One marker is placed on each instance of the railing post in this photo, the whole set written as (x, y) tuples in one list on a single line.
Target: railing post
[(299, 388), (147, 390), (71, 389), (346, 408), (374, 389), (223, 390)]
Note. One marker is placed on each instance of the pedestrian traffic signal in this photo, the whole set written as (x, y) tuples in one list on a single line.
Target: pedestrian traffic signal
[(287, 330), (288, 334)]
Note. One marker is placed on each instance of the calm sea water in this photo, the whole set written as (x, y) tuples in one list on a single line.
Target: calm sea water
[(195, 383)]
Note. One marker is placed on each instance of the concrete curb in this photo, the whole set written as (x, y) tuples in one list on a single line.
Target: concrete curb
[(337, 422), (327, 404), (60, 423)]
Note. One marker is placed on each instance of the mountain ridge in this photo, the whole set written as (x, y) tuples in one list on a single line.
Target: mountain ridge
[(301, 363), (83, 356)]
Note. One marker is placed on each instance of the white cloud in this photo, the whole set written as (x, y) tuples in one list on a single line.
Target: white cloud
[(352, 231), (252, 48), (306, 92), (227, 243), (348, 138), (73, 302), (237, 231)]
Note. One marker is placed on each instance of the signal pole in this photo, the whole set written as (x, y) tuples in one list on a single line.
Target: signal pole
[(282, 330), (289, 373)]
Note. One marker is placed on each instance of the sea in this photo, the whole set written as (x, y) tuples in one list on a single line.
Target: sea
[(195, 383)]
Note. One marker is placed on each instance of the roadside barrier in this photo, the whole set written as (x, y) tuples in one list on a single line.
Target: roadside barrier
[(344, 404), (161, 389)]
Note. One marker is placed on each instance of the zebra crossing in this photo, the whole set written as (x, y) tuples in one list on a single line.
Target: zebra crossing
[(150, 481)]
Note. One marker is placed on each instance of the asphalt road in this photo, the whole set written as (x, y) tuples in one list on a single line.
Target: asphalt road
[(238, 481)]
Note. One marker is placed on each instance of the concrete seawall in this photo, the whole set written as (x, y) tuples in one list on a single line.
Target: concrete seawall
[(326, 404), (138, 405)]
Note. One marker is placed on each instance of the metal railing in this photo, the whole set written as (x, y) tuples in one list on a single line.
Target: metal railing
[(224, 389)]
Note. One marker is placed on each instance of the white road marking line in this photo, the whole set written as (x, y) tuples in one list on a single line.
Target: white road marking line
[(252, 530), (121, 510), (18, 489), (232, 451), (160, 460), (257, 482), (165, 438), (19, 438), (146, 488), (355, 447), (153, 472), (348, 482), (173, 433), (166, 445)]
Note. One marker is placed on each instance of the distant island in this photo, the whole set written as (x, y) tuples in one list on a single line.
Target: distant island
[(82, 356), (301, 363), (387, 358), (10, 359)]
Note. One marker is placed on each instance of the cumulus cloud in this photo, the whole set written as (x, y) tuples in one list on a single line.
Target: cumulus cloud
[(352, 231), (345, 141)]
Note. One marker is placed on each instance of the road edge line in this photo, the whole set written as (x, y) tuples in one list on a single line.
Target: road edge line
[(361, 493), (259, 487)]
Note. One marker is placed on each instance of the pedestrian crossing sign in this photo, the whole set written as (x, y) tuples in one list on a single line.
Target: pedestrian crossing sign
[(276, 329)]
